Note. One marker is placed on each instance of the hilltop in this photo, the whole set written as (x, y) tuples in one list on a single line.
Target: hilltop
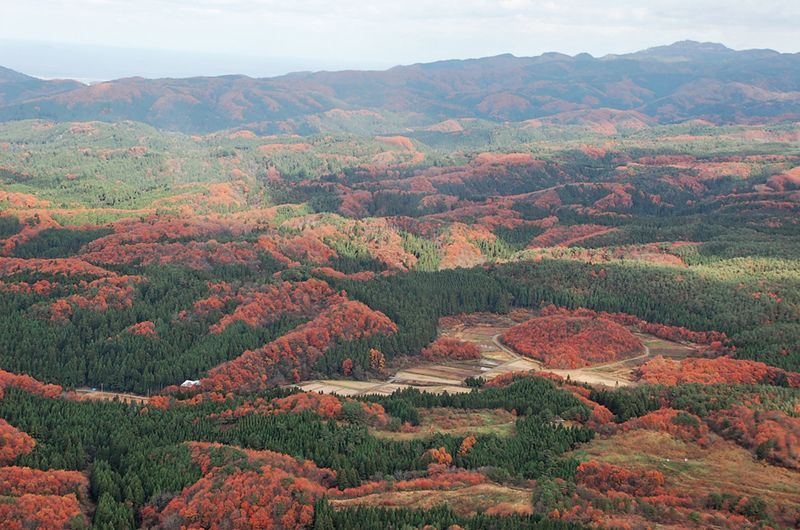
[(683, 81)]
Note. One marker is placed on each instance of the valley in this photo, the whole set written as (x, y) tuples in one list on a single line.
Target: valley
[(497, 359), (565, 299)]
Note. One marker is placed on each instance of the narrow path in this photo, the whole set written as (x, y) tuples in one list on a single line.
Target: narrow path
[(622, 361), (595, 374), (105, 395), (496, 342)]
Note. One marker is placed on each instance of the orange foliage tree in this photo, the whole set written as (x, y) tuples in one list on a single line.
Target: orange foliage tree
[(438, 456), (144, 329), (326, 405), (377, 361), (28, 384), (13, 443), (451, 348), (257, 306), (570, 342), (771, 435), (466, 445), (299, 349), (663, 371), (680, 424), (21, 480), (41, 511), (602, 476), (715, 339), (243, 489)]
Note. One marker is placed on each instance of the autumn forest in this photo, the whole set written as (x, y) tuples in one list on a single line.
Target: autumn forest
[(590, 321)]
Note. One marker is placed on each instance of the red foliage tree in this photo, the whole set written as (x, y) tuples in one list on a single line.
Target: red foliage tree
[(451, 348), (570, 342), (298, 349), (28, 384), (663, 371), (145, 329), (347, 367), (13, 443), (466, 445), (680, 424), (326, 405), (41, 511), (772, 435), (603, 477), (377, 361), (21, 480), (244, 489), (439, 456), (261, 305)]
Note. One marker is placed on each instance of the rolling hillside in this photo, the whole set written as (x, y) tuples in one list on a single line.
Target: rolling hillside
[(683, 81)]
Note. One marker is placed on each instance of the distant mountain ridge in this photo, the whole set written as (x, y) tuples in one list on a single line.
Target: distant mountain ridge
[(683, 81)]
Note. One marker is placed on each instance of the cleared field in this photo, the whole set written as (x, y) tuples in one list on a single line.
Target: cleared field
[(456, 422), (342, 387), (83, 394), (698, 471), (346, 387), (666, 348), (485, 330), (487, 498)]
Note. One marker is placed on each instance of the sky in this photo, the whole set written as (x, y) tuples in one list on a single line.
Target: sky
[(104, 39)]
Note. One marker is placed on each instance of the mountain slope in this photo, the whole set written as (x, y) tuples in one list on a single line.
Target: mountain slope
[(687, 80), (17, 87)]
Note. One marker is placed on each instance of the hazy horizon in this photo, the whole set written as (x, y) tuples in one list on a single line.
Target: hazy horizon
[(93, 40), (92, 64)]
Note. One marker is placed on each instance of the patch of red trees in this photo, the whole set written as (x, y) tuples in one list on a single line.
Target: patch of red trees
[(603, 477), (257, 306), (679, 424), (193, 254), (17, 481), (266, 497), (362, 276), (162, 228), (439, 478), (566, 235), (145, 329), (98, 295), (771, 435), (715, 339), (326, 405), (571, 342), (451, 348), (13, 443), (299, 349), (27, 384), (201, 453), (66, 267), (41, 287), (662, 371), (243, 489), (41, 511)]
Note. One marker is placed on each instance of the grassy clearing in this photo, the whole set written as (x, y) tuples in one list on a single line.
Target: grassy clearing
[(457, 423), (488, 498), (699, 471)]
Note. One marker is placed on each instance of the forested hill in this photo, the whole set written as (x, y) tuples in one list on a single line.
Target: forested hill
[(683, 81)]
